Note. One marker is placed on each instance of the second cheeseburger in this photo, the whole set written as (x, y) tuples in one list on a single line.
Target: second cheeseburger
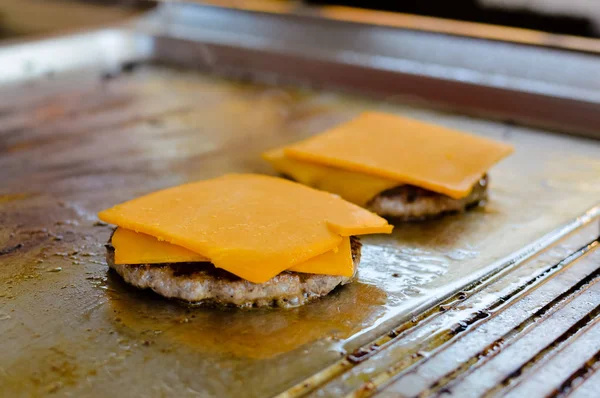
[(395, 166)]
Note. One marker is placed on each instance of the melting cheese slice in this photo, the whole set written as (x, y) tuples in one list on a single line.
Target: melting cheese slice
[(408, 151), (253, 226), (136, 248), (334, 262), (355, 187)]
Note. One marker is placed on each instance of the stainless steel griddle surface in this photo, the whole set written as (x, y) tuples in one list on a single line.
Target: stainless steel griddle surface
[(78, 141)]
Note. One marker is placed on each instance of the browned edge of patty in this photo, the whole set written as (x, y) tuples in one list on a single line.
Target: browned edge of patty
[(205, 285), (412, 203)]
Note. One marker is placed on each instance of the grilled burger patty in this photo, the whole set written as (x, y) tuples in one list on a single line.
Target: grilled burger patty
[(202, 283), (408, 202)]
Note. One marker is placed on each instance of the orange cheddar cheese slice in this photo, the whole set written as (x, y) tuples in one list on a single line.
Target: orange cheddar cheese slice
[(137, 248), (253, 226), (355, 187), (334, 262), (433, 157)]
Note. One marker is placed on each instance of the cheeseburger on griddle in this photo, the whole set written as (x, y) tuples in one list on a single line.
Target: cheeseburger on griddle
[(394, 166), (241, 240)]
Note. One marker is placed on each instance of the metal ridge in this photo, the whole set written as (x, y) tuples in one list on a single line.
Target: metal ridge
[(414, 22), (486, 78)]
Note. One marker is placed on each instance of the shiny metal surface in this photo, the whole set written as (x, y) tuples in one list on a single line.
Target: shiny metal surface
[(543, 87), (86, 136), (414, 22)]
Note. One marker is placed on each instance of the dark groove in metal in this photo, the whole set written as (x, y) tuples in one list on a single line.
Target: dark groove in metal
[(366, 352), (515, 377), (10, 249), (413, 358), (578, 377), (482, 357)]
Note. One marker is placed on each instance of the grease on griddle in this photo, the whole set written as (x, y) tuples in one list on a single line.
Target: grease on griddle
[(258, 334)]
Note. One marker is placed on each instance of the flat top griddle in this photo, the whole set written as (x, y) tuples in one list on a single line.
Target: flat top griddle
[(486, 302)]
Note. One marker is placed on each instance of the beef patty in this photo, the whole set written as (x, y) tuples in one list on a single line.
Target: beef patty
[(202, 283), (409, 203)]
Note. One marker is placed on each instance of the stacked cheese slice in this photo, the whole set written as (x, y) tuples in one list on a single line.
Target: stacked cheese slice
[(250, 225), (379, 151)]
